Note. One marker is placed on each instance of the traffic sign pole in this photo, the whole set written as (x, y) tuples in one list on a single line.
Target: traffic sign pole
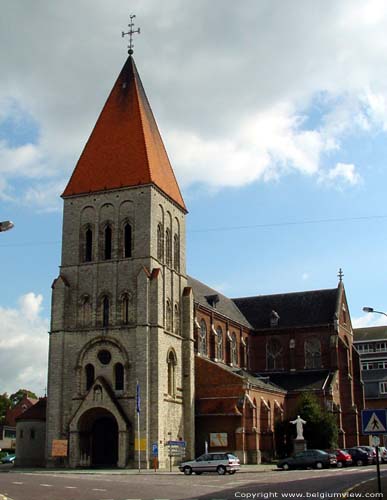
[(378, 469)]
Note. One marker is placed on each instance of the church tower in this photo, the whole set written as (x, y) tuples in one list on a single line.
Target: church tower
[(122, 314)]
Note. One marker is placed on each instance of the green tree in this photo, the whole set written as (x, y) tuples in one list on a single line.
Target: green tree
[(20, 394), (5, 403)]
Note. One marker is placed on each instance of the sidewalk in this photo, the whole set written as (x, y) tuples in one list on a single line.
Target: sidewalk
[(175, 470)]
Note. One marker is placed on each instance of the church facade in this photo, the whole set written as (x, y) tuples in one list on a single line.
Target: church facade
[(142, 354)]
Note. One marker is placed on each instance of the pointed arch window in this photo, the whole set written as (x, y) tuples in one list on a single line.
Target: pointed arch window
[(176, 320), (274, 354), (88, 245), (312, 353), (108, 243), (119, 376), (89, 374), (127, 240), (168, 313), (105, 310), (168, 247), (172, 362), (176, 252), (160, 242), (85, 310), (219, 343), (233, 349), (126, 306), (203, 338)]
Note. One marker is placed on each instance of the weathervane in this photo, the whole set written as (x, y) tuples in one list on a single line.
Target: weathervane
[(340, 275), (131, 32)]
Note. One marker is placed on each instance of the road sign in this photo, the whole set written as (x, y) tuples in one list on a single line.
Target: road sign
[(177, 443), (374, 421), (155, 449), (375, 440)]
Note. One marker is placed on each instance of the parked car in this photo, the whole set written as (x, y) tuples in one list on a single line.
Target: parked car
[(308, 458), (343, 458), (383, 454), (371, 452), (212, 462), (8, 459), (359, 456)]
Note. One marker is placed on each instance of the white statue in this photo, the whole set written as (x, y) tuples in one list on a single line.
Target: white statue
[(299, 423)]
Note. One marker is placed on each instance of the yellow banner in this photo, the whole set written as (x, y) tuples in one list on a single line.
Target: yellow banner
[(142, 444)]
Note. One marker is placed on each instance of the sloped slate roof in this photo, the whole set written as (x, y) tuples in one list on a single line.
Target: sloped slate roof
[(225, 307), (302, 381), (125, 147), (36, 412), (370, 333), (294, 309)]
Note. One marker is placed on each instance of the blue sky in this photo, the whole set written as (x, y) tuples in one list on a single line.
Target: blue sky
[(276, 129)]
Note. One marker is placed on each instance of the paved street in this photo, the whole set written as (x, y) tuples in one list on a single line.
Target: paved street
[(175, 486)]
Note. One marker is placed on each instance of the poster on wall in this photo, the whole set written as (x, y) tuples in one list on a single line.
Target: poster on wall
[(59, 447), (218, 440)]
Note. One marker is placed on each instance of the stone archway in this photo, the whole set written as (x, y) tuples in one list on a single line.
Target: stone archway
[(98, 433)]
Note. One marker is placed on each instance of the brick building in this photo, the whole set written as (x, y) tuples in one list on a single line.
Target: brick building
[(125, 314)]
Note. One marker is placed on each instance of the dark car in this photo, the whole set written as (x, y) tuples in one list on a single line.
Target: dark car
[(343, 458), (8, 459), (308, 458), (371, 452), (359, 456)]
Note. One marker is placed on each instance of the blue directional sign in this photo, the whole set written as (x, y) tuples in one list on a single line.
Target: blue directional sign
[(374, 421), (155, 449)]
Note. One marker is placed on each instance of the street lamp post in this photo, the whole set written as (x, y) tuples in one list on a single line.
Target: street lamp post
[(372, 310), (6, 225)]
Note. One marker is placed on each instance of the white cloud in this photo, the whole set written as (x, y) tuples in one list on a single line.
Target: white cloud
[(305, 276), (368, 320), (24, 346), (342, 173)]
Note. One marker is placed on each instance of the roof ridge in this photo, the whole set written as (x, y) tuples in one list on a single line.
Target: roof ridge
[(284, 293)]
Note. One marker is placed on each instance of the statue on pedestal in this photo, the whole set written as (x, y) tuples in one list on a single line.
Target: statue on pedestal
[(299, 426)]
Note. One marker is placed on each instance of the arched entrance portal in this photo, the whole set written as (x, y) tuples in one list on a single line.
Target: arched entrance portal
[(98, 431), (104, 442)]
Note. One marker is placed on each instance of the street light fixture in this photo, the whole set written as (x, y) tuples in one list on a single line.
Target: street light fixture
[(6, 225), (372, 310)]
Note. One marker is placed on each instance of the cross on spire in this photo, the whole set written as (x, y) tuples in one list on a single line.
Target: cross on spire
[(131, 32), (340, 275)]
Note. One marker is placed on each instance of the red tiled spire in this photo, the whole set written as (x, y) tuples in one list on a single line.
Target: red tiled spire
[(125, 147)]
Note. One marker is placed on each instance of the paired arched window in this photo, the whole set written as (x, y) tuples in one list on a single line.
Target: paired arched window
[(202, 348), (273, 354), (108, 243), (168, 247), (233, 349), (172, 362), (89, 374), (119, 377), (88, 245), (85, 313), (160, 242), (168, 318), (176, 320), (127, 240), (105, 310), (219, 344), (176, 252), (312, 353)]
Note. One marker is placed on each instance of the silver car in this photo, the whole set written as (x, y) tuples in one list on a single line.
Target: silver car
[(212, 462)]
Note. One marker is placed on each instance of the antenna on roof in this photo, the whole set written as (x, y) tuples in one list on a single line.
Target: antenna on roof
[(340, 275), (131, 32)]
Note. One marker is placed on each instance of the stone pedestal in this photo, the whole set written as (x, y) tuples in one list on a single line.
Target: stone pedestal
[(299, 445)]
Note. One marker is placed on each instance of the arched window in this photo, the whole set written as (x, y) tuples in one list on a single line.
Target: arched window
[(219, 343), (89, 373), (168, 314), (203, 338), (312, 353), (105, 310), (85, 313), (171, 360), (126, 302), (234, 354), (176, 252), (177, 320), (273, 354), (160, 242), (108, 243), (168, 247), (119, 376), (127, 240), (88, 245)]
